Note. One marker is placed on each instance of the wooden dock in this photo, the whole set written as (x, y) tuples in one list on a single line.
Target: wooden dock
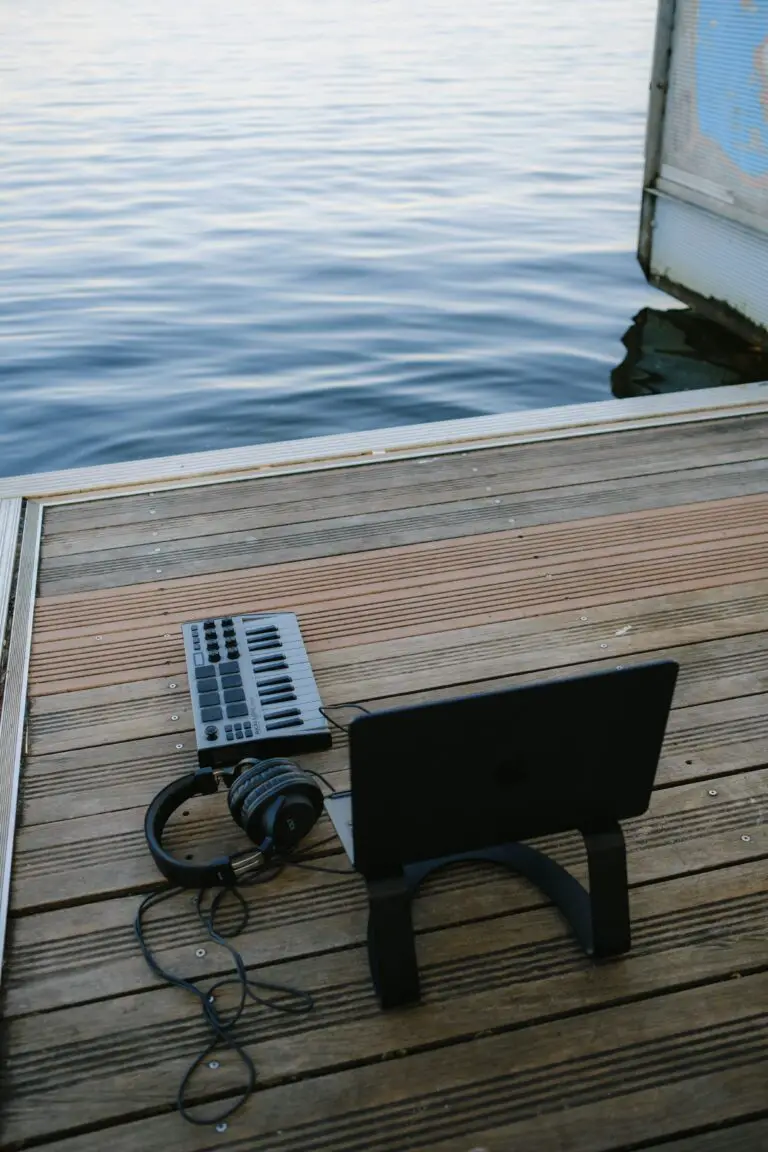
[(439, 573)]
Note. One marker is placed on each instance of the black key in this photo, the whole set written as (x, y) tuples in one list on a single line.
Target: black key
[(283, 714), (269, 664), (262, 645), (205, 672), (231, 681), (233, 695), (236, 710), (284, 724), (207, 714), (206, 699), (274, 681), (229, 666), (277, 698)]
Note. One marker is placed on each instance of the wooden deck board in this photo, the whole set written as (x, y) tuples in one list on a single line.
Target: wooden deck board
[(618, 455), (387, 487), (680, 1061), (410, 582)]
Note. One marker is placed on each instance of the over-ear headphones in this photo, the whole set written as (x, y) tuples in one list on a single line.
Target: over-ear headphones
[(275, 802)]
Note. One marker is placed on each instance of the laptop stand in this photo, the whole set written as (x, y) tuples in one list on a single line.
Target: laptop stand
[(467, 779), (599, 918)]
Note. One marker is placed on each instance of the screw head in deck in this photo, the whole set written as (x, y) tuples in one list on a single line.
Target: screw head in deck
[(173, 684), (603, 645), (179, 747), (746, 839), (214, 1064), (174, 717), (712, 792), (200, 952), (221, 1126)]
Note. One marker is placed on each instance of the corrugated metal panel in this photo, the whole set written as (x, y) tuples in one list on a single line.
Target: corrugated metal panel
[(705, 238), (716, 257)]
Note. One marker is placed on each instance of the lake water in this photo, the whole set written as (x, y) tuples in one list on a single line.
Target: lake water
[(238, 221)]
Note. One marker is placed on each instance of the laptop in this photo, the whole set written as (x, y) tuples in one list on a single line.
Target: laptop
[(457, 775)]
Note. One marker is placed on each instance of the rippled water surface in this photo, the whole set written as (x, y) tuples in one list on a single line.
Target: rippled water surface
[(228, 222)]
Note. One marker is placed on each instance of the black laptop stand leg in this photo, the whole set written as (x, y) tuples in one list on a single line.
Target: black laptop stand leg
[(608, 892), (391, 946)]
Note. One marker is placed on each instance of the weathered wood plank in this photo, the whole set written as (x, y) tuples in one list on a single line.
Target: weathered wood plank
[(529, 466), (120, 567), (651, 1067), (247, 505), (709, 671), (751, 1136), (88, 952), (722, 734), (61, 618), (612, 1124), (494, 594), (462, 654), (104, 855)]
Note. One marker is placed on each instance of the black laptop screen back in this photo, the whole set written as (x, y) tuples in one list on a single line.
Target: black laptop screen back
[(457, 775)]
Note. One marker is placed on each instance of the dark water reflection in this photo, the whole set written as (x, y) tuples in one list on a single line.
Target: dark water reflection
[(676, 350)]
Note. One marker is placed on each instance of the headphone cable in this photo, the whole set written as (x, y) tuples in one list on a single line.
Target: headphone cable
[(250, 988), (222, 1027)]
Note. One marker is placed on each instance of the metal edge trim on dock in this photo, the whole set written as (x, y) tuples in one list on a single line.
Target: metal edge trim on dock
[(354, 448), (14, 704), (10, 517)]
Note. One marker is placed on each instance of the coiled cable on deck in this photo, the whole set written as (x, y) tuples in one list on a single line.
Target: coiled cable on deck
[(270, 994)]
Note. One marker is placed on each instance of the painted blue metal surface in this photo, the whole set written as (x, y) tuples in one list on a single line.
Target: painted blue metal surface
[(732, 79)]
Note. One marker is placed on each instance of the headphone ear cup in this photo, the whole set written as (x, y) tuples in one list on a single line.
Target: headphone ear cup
[(259, 771), (282, 809)]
